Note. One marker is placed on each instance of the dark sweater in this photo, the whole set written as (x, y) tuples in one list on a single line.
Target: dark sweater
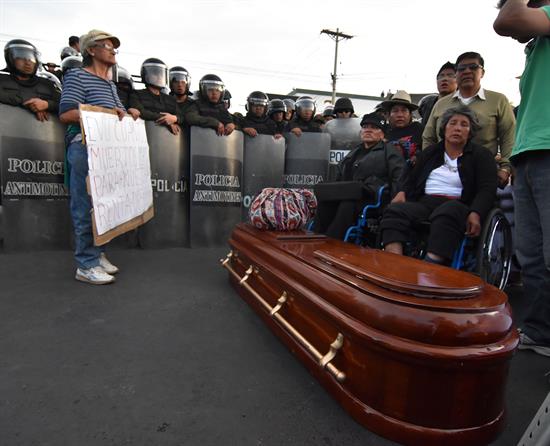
[(477, 170)]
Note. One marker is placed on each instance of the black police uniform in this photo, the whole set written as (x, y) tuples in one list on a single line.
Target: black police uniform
[(263, 125), (205, 114), (15, 92), (128, 98), (151, 106), (306, 126)]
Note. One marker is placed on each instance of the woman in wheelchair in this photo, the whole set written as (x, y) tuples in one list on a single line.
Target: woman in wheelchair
[(372, 164), (452, 186)]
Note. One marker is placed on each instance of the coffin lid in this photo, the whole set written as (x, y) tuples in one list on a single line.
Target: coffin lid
[(417, 278)]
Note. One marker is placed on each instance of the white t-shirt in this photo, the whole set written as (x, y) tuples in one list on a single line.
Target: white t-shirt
[(445, 180)]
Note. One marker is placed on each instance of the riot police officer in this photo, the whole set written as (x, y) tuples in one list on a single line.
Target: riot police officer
[(180, 82), (303, 121), (209, 109), (125, 89), (153, 104), (22, 87), (256, 120), (276, 111), (290, 107)]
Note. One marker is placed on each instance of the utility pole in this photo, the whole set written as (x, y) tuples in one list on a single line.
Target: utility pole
[(336, 36)]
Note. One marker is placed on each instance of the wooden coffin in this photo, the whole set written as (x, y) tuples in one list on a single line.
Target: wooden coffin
[(417, 353)]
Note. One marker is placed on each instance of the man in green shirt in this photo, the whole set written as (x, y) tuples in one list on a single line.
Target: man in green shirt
[(529, 21), (493, 111)]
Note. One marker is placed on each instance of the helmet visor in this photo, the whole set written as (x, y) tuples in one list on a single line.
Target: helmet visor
[(257, 101), (155, 74), (177, 76), (213, 85), (306, 104), (26, 52)]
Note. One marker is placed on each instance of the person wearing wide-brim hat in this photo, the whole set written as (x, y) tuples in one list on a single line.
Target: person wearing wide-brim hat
[(403, 132)]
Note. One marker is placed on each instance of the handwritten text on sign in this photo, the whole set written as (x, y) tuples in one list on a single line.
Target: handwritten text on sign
[(119, 168)]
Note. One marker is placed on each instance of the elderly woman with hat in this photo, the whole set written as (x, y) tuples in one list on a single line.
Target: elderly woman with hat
[(403, 132), (452, 185), (91, 85), (371, 165)]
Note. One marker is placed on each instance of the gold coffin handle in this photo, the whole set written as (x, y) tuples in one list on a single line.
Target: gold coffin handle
[(323, 360)]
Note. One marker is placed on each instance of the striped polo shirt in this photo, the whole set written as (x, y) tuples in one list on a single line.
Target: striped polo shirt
[(81, 87)]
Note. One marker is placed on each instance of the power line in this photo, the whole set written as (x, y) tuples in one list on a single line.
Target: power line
[(336, 36)]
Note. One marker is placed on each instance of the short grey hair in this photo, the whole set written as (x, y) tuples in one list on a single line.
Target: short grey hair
[(463, 111)]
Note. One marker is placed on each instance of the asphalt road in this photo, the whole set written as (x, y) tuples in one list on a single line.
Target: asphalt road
[(170, 355)]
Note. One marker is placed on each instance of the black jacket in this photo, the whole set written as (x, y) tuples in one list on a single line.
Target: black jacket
[(151, 106), (14, 91), (128, 98), (281, 127), (477, 170), (305, 126), (205, 114), (263, 125), (374, 167)]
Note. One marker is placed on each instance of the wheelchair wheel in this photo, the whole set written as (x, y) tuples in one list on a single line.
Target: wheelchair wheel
[(494, 251)]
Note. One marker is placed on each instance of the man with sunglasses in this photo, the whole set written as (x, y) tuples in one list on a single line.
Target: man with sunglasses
[(530, 22), (22, 87), (493, 111)]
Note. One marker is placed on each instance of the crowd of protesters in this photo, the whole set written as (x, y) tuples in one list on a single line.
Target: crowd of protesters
[(443, 164)]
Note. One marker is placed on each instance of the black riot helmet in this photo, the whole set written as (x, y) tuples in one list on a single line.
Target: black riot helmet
[(154, 72), (179, 74), (275, 106), (71, 62), (305, 103), (50, 77), (343, 105), (211, 82), (227, 99), (290, 104), (21, 49), (68, 52), (122, 76), (328, 111), (257, 98)]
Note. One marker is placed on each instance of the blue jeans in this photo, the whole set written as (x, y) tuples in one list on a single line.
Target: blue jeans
[(86, 254), (532, 218)]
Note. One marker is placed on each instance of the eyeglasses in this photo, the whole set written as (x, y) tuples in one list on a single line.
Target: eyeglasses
[(446, 76), (343, 111), (107, 46), (471, 66)]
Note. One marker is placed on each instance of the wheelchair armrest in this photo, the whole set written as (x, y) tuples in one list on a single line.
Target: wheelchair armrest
[(380, 195)]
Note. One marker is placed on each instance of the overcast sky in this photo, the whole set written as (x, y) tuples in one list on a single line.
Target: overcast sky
[(276, 45)]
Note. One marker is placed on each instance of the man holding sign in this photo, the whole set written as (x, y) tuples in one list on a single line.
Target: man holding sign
[(91, 85)]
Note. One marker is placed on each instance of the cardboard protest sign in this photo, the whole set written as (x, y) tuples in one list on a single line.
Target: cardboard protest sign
[(119, 175)]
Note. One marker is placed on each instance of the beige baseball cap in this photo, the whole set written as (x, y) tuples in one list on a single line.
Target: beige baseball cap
[(88, 39)]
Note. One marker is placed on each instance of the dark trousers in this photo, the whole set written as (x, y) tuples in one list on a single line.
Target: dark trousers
[(447, 219), (333, 218), (532, 217)]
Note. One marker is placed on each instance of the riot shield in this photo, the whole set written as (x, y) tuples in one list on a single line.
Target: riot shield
[(215, 186), (34, 198), (344, 136), (169, 177), (264, 166), (306, 160)]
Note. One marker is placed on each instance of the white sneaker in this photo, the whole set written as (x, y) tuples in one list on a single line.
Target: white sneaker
[(107, 266), (95, 276)]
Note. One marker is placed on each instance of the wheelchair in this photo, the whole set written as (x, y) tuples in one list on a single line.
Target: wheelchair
[(489, 256)]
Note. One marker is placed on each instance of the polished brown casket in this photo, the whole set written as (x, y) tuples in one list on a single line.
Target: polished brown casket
[(417, 353)]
